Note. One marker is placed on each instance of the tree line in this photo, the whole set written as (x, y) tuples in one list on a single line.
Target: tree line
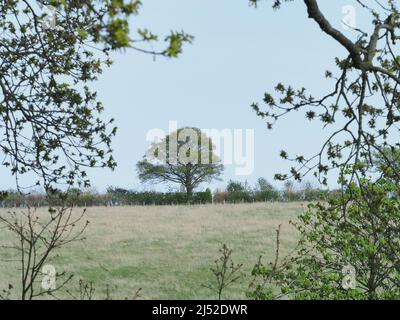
[(235, 192)]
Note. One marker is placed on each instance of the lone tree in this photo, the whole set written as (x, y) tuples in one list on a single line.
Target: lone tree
[(51, 51), (185, 156)]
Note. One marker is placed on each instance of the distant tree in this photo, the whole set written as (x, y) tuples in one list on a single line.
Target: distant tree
[(307, 186), (50, 54), (3, 195), (185, 157), (309, 192), (387, 163), (263, 185), (265, 191), (289, 190), (235, 186), (237, 191)]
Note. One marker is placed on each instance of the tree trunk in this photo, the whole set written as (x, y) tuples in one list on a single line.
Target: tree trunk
[(189, 190)]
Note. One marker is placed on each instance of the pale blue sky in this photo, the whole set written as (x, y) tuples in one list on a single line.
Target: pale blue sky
[(239, 53)]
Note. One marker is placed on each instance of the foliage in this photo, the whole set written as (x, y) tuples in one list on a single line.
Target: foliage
[(387, 163), (261, 287), (311, 193), (357, 231), (263, 191), (185, 157), (239, 196), (236, 186), (263, 185), (49, 116), (289, 191), (225, 272), (237, 191), (361, 109), (122, 196), (268, 195), (3, 195)]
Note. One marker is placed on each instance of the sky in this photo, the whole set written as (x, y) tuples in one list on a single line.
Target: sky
[(239, 53)]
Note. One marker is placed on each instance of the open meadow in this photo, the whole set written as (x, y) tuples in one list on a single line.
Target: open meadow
[(166, 250)]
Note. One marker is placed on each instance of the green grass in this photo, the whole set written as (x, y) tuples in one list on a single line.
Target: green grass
[(167, 251)]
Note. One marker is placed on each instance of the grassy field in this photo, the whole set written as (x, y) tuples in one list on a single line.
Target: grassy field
[(167, 251)]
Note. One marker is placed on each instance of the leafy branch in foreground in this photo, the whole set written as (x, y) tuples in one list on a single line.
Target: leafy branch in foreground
[(225, 272), (265, 278), (50, 115), (349, 249), (361, 110), (36, 238)]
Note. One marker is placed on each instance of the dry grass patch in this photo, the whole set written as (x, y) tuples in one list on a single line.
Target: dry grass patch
[(167, 250)]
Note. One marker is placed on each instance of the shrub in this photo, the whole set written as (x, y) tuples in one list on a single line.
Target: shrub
[(349, 249), (267, 195), (127, 197), (236, 186), (265, 191), (203, 197), (240, 196)]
